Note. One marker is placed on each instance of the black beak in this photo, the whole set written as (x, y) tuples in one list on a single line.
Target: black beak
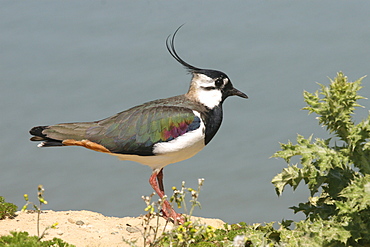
[(236, 92)]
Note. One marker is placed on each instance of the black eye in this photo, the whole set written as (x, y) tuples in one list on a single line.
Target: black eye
[(219, 82)]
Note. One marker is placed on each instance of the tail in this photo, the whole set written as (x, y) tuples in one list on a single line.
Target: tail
[(54, 135), (39, 136)]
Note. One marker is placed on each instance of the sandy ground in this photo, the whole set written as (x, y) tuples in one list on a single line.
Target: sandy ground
[(85, 228)]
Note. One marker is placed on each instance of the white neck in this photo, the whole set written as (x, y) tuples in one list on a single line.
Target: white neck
[(197, 91)]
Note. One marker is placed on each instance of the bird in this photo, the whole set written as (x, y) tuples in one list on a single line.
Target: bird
[(156, 133)]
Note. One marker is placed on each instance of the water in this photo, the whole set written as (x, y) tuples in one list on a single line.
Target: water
[(82, 61)]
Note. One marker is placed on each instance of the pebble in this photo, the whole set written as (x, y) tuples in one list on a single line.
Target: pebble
[(80, 222)]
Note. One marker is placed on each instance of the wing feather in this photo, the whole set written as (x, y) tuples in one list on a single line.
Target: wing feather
[(136, 131)]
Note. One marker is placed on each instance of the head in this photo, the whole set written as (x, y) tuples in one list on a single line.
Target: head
[(209, 87)]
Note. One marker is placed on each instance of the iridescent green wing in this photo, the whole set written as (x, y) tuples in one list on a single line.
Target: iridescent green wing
[(138, 129)]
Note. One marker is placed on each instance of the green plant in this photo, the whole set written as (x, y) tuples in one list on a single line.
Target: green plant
[(178, 197), (180, 234), (7, 209), (336, 170), (22, 239), (41, 199), (190, 231)]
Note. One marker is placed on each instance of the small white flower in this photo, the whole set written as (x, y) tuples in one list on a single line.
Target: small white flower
[(200, 181), (239, 241)]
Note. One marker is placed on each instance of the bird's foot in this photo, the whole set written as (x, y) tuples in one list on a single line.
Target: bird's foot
[(170, 214), (176, 218), (179, 219)]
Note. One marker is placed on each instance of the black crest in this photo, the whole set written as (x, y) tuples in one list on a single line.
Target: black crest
[(170, 43)]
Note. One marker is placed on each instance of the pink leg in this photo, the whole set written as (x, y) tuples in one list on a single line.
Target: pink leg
[(160, 180), (156, 181)]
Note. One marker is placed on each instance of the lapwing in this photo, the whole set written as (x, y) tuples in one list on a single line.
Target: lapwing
[(156, 133)]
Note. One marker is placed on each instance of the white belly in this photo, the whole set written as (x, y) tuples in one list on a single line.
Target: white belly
[(161, 160)]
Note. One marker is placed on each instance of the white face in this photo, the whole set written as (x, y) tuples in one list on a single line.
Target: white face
[(206, 90)]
